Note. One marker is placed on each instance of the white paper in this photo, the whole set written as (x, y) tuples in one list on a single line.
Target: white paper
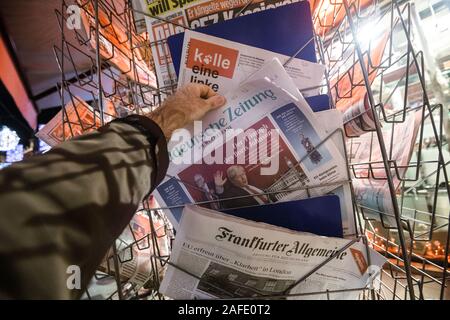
[(224, 64), (232, 257)]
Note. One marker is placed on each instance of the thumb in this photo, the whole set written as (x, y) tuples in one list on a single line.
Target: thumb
[(216, 102)]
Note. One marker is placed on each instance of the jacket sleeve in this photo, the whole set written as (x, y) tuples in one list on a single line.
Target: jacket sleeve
[(65, 208)]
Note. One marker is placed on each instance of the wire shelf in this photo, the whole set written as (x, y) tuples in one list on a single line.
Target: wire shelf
[(384, 75)]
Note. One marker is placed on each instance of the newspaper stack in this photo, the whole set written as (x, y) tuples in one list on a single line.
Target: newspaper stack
[(301, 152), (221, 256), (166, 18)]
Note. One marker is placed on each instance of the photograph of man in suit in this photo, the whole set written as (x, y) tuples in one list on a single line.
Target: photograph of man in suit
[(236, 186), (208, 192)]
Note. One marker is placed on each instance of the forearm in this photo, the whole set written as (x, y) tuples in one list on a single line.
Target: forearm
[(67, 207)]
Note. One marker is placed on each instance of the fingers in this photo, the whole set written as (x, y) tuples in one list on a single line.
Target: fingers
[(211, 98), (201, 90), (219, 174), (215, 102)]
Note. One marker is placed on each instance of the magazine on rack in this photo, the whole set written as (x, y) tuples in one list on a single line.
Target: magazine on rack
[(220, 256), (224, 64), (277, 143), (115, 44), (347, 83), (136, 246), (370, 183)]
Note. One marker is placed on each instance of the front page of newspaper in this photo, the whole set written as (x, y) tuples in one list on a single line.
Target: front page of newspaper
[(219, 256), (223, 64), (280, 145), (172, 16)]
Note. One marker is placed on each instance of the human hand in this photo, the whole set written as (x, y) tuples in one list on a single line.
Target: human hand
[(188, 104), (219, 180)]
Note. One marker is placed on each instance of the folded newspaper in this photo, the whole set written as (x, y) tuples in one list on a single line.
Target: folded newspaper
[(277, 144), (220, 256), (223, 64)]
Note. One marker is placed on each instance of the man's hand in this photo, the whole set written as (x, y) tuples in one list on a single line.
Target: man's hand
[(190, 103), (219, 180)]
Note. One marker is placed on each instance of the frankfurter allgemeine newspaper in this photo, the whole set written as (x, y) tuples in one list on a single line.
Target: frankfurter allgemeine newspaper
[(220, 256)]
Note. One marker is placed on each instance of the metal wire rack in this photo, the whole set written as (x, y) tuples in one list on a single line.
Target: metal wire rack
[(391, 80)]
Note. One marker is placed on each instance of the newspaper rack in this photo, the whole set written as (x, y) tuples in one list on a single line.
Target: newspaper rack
[(414, 239)]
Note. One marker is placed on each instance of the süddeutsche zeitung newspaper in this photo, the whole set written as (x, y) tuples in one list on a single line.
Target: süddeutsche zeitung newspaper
[(282, 145)]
